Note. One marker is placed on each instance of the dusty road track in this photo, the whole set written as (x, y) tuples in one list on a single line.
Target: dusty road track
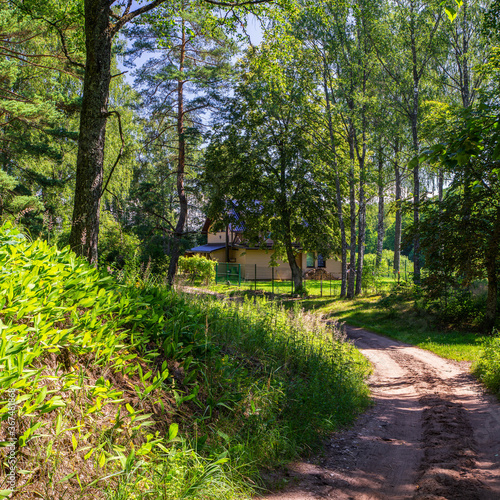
[(432, 434)]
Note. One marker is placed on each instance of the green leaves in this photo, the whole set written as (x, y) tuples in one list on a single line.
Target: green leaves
[(450, 10)]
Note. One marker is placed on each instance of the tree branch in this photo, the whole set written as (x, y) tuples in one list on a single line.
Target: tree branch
[(121, 149)]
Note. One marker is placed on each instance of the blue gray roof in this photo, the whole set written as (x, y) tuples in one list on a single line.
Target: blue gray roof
[(208, 248)]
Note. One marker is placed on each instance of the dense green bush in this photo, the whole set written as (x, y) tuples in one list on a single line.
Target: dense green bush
[(197, 268), (453, 301), (116, 246), (487, 368)]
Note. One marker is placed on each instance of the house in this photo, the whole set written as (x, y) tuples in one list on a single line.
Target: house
[(231, 246)]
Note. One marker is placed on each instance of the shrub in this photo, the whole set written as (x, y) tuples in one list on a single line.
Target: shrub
[(487, 368), (115, 245), (197, 268)]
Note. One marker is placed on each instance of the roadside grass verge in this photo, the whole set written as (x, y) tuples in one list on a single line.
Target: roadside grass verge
[(403, 322), (399, 319), (112, 391), (487, 367)]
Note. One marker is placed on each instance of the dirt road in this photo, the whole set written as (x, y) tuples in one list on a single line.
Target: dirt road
[(432, 434)]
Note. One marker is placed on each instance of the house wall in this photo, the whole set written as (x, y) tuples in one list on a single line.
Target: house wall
[(261, 259), (333, 266), (239, 255), (218, 255), (218, 237), (250, 258)]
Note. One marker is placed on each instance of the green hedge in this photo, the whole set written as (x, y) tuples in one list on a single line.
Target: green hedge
[(197, 268)]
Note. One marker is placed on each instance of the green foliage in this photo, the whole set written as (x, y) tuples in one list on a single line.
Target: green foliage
[(487, 367), (402, 321), (460, 235), (400, 294), (197, 267), (65, 326), (302, 368), (261, 166), (115, 245), (374, 275), (13, 204)]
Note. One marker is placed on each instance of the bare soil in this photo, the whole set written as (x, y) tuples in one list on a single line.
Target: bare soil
[(432, 434)]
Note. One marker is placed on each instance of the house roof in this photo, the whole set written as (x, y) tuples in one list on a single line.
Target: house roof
[(208, 248)]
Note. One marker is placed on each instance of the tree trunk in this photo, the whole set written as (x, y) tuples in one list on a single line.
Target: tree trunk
[(361, 156), (462, 59), (416, 168), (361, 223), (416, 204), (440, 185), (361, 238), (338, 193), (227, 243), (181, 166), (399, 218), (292, 262), (380, 224), (352, 258), (90, 160), (352, 209)]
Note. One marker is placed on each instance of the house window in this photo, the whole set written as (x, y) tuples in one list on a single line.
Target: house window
[(310, 259), (321, 261)]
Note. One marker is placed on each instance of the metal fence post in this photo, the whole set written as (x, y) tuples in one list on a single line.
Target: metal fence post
[(321, 285), (216, 275), (272, 278)]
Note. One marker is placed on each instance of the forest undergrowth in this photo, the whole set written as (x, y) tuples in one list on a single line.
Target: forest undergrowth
[(123, 390)]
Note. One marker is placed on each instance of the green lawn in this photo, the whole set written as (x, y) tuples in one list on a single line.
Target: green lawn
[(315, 288)]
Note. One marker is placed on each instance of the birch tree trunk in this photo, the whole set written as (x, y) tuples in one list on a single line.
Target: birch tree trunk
[(416, 168), (352, 217), (338, 194), (361, 155), (361, 234), (380, 220), (398, 222)]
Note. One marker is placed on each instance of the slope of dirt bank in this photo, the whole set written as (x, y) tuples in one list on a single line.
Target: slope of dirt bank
[(432, 434)]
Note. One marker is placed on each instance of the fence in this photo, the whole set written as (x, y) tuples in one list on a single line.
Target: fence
[(228, 273), (274, 280), (277, 280)]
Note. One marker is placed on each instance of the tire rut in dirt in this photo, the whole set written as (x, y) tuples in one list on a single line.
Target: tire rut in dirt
[(447, 469)]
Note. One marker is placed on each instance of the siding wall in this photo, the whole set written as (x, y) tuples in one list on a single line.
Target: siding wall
[(250, 258), (261, 258), (219, 237), (218, 255)]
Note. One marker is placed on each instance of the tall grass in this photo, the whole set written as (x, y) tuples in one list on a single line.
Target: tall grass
[(132, 391), (487, 367)]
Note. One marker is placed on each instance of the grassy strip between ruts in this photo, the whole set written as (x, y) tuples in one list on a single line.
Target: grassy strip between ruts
[(123, 391)]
